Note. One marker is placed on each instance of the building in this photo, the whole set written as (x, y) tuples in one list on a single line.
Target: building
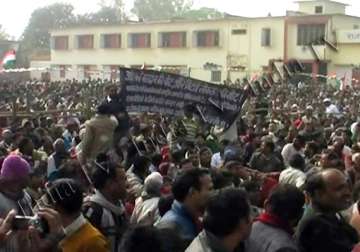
[(213, 50)]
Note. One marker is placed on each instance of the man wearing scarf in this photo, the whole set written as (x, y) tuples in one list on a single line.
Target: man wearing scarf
[(104, 209), (273, 230)]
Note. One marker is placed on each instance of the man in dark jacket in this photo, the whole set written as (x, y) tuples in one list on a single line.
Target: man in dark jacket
[(227, 223), (273, 230), (322, 227), (191, 192)]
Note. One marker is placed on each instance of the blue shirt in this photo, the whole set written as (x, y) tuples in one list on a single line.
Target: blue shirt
[(180, 219)]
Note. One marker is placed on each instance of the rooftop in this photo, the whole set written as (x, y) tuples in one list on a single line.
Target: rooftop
[(326, 1)]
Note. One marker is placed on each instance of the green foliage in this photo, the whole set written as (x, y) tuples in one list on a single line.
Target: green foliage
[(203, 14), (3, 34), (42, 20), (161, 9), (36, 36), (112, 12)]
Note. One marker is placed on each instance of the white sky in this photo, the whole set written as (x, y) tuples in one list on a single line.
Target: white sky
[(14, 14)]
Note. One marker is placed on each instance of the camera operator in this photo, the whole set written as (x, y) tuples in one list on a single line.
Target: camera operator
[(31, 239)]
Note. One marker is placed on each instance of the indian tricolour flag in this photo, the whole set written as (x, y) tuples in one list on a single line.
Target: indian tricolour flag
[(9, 60)]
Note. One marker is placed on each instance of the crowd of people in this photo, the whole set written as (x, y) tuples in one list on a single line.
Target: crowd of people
[(286, 179)]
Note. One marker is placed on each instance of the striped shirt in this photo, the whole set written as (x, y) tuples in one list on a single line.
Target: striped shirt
[(192, 128)]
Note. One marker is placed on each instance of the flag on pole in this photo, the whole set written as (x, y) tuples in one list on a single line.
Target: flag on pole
[(9, 60)]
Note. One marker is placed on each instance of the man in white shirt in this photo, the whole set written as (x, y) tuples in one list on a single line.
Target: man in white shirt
[(331, 109), (217, 160), (289, 150), (294, 175)]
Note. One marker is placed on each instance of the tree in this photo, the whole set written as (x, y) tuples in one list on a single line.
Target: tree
[(42, 20), (105, 15), (203, 13), (117, 7), (36, 36), (3, 34), (160, 9), (109, 12)]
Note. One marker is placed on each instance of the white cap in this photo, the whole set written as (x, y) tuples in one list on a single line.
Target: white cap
[(327, 100), (309, 107)]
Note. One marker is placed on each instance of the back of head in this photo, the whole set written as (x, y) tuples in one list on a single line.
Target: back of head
[(300, 139), (143, 238), (104, 109), (177, 156), (186, 182), (225, 211), (23, 143), (59, 145), (222, 180), (232, 153), (286, 201), (164, 204), (141, 164), (269, 144), (297, 161), (66, 196), (101, 173)]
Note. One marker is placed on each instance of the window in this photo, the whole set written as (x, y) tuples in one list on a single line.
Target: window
[(310, 34), (62, 71), (139, 40), (239, 32), (216, 76), (356, 27), (61, 43), (111, 41), (207, 39), (85, 42), (318, 9), (266, 37), (172, 39)]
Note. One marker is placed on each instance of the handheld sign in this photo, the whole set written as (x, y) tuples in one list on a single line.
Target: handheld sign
[(168, 94)]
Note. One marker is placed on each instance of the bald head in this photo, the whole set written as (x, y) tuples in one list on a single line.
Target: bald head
[(329, 175), (329, 190)]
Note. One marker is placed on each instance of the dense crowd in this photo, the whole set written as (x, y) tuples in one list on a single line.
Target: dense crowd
[(284, 177)]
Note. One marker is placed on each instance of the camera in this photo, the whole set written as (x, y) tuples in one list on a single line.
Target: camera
[(23, 223)]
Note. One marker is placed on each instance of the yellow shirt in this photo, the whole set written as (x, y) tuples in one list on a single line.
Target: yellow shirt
[(85, 239)]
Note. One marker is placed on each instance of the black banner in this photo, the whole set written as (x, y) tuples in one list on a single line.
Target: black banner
[(165, 93)]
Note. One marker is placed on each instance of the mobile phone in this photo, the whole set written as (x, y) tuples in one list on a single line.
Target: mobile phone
[(21, 222)]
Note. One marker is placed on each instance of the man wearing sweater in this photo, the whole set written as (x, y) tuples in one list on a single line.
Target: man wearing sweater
[(273, 230), (66, 197)]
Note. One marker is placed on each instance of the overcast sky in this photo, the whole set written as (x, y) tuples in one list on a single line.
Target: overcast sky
[(14, 14)]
